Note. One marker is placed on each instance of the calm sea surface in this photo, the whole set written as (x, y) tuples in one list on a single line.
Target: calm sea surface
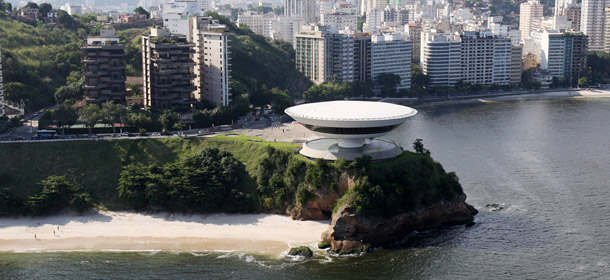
[(545, 162)]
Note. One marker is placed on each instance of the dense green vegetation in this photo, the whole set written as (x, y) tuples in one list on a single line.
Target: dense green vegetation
[(132, 40), (57, 193), (37, 60), (97, 166), (201, 182), (7, 124), (220, 174), (400, 185)]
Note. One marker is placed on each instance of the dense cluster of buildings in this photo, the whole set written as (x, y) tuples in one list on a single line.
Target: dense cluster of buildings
[(188, 59), (449, 41), (324, 53), (178, 68)]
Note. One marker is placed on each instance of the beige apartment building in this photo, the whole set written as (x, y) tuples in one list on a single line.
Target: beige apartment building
[(212, 60)]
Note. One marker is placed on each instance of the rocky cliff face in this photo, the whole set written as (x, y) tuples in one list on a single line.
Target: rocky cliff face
[(321, 207), (351, 232)]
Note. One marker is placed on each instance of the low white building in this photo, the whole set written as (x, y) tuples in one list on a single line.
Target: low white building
[(175, 15), (72, 9)]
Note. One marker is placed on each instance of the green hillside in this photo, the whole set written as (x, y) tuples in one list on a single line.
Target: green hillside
[(97, 165), (40, 58)]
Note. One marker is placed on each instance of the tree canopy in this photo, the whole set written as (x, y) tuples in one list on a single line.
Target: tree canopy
[(141, 11)]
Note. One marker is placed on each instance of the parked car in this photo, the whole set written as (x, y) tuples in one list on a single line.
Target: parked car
[(204, 132)]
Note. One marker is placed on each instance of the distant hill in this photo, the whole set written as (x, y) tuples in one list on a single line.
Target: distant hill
[(257, 61), (39, 57)]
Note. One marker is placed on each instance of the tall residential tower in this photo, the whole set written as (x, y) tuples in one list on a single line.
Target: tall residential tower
[(592, 22), (212, 61), (167, 69), (530, 12), (104, 59)]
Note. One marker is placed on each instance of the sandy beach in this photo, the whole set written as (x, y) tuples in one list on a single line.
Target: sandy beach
[(106, 230)]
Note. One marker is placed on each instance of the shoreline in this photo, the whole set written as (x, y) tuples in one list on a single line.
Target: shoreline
[(590, 93), (265, 234)]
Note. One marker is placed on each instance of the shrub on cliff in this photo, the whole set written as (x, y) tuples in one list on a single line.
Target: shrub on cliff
[(404, 184), (284, 179)]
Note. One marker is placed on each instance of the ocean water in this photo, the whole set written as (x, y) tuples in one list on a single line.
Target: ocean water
[(546, 163)]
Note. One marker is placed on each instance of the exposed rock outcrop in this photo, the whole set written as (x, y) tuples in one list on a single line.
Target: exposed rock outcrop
[(351, 232), (321, 207), (301, 251)]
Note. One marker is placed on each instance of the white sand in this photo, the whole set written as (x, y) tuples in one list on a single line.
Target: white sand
[(106, 230)]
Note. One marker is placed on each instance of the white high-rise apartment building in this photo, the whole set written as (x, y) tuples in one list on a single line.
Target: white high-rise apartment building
[(206, 5), (312, 51), (326, 7), (486, 59), (285, 28), (324, 53), (560, 5), (563, 54), (258, 23), (592, 22), (301, 8), (175, 15), (607, 31), (1, 88), (391, 53), (552, 49), (342, 51), (374, 18), (376, 4), (212, 60), (529, 13), (340, 21), (440, 58)]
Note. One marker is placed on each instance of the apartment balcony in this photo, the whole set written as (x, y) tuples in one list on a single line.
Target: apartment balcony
[(165, 85), (97, 86), (118, 93)]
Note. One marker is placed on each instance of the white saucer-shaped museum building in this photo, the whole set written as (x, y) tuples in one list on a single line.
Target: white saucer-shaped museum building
[(348, 128)]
